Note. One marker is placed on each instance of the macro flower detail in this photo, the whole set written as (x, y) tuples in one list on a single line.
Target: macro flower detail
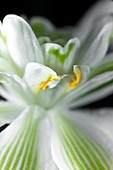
[(41, 83)]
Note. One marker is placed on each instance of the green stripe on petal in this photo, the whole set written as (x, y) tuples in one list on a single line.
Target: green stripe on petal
[(73, 150), (104, 66), (20, 141)]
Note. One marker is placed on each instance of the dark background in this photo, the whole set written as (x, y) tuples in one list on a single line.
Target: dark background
[(60, 12)]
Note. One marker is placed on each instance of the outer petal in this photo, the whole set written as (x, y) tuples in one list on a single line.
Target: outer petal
[(19, 143), (100, 119), (22, 43), (94, 89), (6, 62), (105, 65), (73, 149), (45, 143), (99, 9), (3, 47), (15, 90), (7, 65), (60, 58), (94, 50), (8, 112)]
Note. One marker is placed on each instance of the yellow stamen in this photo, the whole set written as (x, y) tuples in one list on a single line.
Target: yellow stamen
[(44, 85), (76, 79)]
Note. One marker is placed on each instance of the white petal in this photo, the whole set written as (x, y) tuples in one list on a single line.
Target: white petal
[(99, 9), (15, 89), (96, 50), (45, 144), (97, 122), (19, 142), (8, 112), (3, 48), (22, 43), (73, 148), (7, 65), (35, 74), (93, 90), (105, 65)]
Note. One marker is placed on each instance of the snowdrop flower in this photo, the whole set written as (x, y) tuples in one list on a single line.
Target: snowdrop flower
[(40, 84)]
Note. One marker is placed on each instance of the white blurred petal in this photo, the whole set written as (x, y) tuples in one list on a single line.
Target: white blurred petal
[(90, 91), (99, 9), (96, 49), (105, 65), (8, 112)]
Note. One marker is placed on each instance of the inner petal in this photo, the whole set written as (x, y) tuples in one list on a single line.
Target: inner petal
[(40, 77)]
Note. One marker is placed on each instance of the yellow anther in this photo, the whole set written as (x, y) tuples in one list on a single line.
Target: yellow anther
[(44, 85), (76, 79)]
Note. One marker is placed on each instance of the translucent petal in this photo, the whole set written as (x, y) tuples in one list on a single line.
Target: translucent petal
[(36, 74), (99, 10), (92, 52), (8, 112), (105, 65), (43, 40), (51, 97)]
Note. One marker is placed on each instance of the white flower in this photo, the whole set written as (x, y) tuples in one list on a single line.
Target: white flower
[(50, 79)]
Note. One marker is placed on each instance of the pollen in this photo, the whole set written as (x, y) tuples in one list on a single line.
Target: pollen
[(76, 79), (44, 85)]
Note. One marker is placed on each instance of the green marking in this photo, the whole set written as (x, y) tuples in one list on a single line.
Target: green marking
[(89, 141), (75, 154), (19, 153), (66, 128), (62, 57), (104, 67)]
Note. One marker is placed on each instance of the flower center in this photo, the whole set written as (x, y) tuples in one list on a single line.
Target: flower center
[(50, 82)]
